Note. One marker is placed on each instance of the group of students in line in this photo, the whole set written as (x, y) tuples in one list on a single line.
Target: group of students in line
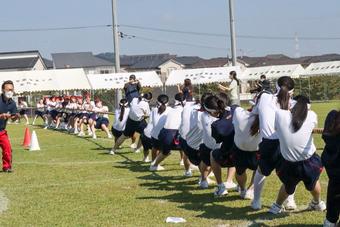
[(214, 132), (72, 114)]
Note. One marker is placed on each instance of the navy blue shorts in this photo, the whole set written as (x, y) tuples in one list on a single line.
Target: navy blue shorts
[(93, 116), (54, 114), (204, 153), (84, 115), (156, 144), (39, 113), (223, 158), (101, 121), (308, 171), (192, 154), (270, 156), (116, 133), (23, 112), (146, 142), (245, 160), (169, 140), (134, 126), (182, 143)]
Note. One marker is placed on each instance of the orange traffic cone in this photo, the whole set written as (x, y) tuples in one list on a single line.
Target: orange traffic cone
[(27, 138)]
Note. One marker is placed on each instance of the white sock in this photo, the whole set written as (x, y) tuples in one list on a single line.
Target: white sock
[(259, 180), (291, 197)]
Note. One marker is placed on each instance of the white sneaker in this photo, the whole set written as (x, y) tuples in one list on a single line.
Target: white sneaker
[(45, 127), (181, 163), (204, 184), (81, 134), (109, 136), (290, 204), (249, 194), (146, 160), (220, 190), (318, 206), (256, 205), (327, 223), (133, 146), (76, 131), (188, 173), (137, 150), (231, 186), (89, 133), (94, 136), (112, 152), (156, 168), (276, 209)]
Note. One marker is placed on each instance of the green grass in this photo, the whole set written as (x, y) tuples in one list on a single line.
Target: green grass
[(72, 182)]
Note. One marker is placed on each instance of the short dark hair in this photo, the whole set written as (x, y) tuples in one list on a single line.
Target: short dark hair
[(132, 77), (5, 83), (263, 76)]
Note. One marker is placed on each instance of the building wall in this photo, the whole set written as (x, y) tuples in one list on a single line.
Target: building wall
[(166, 68), (39, 65), (99, 70)]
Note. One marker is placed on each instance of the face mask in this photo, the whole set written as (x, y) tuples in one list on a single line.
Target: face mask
[(9, 94)]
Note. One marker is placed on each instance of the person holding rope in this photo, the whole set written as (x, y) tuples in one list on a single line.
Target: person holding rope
[(132, 88), (8, 110)]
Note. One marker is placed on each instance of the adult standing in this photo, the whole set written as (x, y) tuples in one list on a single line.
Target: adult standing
[(233, 88), (186, 89), (132, 88), (8, 110)]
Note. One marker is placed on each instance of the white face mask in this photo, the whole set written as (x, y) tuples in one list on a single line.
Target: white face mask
[(9, 94)]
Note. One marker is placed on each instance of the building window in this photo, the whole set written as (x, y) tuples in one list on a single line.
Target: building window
[(106, 71)]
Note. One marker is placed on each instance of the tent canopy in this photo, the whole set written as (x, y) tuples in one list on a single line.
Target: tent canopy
[(201, 75), (331, 68), (47, 80), (117, 80), (273, 72)]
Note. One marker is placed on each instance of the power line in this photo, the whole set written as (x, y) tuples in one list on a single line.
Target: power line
[(55, 28)]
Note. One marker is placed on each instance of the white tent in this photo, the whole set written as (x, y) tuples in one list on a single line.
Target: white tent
[(47, 80), (117, 80), (273, 72), (331, 68), (201, 75)]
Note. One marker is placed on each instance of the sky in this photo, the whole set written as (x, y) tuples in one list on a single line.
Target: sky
[(255, 18)]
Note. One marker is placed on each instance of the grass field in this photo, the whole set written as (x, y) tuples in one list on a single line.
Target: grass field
[(73, 182)]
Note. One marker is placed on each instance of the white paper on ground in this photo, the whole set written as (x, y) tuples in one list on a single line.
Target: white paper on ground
[(175, 220)]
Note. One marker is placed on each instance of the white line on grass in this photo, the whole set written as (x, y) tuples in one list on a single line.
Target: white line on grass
[(3, 202)]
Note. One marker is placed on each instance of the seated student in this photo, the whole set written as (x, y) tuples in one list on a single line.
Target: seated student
[(71, 111), (84, 117), (40, 112), (168, 135), (136, 122), (120, 122), (158, 119), (22, 105), (194, 138), (222, 131), (245, 150), (331, 159), (294, 129), (102, 120)]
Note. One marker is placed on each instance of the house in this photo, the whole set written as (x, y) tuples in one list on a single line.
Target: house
[(86, 60), (22, 61)]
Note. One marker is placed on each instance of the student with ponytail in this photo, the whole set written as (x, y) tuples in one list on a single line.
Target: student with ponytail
[(159, 117), (168, 135), (331, 160), (222, 131), (136, 122), (119, 126), (294, 129), (233, 88), (269, 149)]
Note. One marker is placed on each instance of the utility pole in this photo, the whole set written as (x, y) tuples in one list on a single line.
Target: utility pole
[(232, 32), (116, 48)]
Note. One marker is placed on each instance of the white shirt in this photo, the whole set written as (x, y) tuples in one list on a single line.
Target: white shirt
[(296, 146), (149, 127), (23, 104), (87, 106), (139, 109), (101, 111), (233, 90), (40, 107), (120, 125), (51, 105), (207, 139), (174, 118), (185, 125), (195, 134), (158, 121), (242, 121)]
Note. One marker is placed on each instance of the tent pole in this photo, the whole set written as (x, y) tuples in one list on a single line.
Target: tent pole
[(309, 88)]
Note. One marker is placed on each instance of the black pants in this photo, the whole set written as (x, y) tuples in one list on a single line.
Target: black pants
[(333, 200)]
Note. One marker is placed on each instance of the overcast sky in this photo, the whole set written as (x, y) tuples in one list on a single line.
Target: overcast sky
[(260, 18)]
